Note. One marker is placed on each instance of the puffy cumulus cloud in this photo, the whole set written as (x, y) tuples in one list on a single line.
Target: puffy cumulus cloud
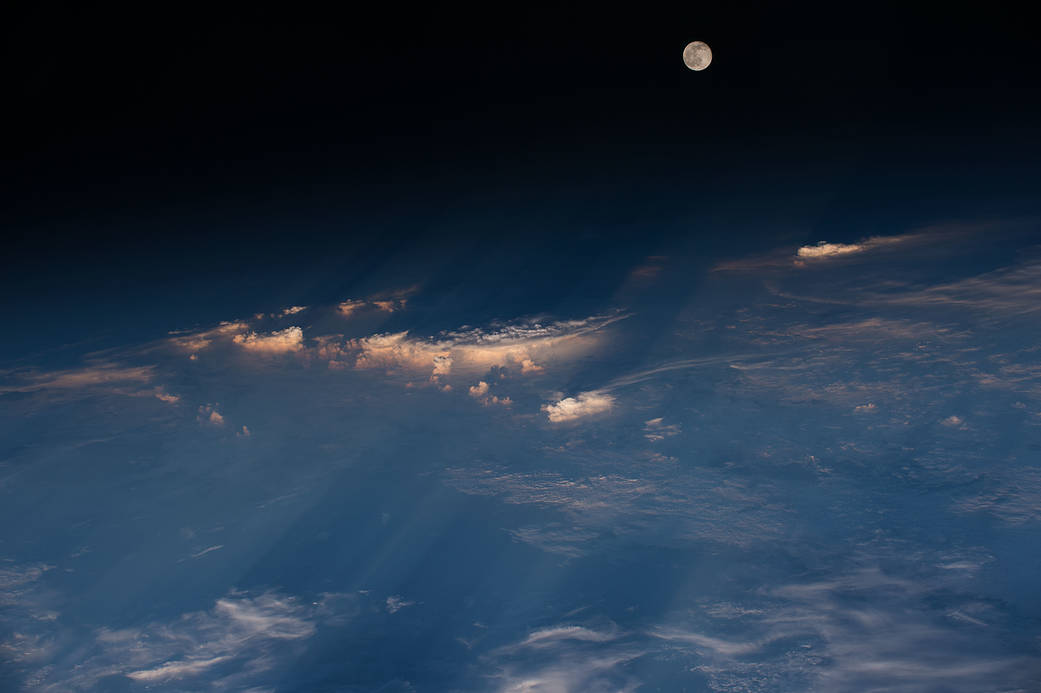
[(19, 576), (481, 392), (278, 342), (292, 310), (99, 374), (208, 414), (585, 404), (529, 366)]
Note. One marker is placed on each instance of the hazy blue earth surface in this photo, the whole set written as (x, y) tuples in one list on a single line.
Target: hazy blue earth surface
[(807, 467)]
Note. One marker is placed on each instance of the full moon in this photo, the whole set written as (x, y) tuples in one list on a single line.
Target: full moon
[(697, 55)]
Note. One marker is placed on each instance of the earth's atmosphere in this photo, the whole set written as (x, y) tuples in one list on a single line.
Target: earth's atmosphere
[(812, 468)]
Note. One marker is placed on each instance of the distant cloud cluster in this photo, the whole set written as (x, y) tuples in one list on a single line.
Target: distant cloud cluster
[(582, 405), (279, 342)]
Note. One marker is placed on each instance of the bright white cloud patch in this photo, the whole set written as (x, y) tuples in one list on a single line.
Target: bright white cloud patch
[(278, 342), (581, 406)]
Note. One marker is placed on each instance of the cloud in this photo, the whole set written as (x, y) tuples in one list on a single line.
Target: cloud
[(167, 397), (208, 414), (1011, 291), (194, 341), (637, 500), (567, 657), (480, 392), (237, 644), (292, 310), (475, 350), (824, 250), (73, 379), (279, 342), (19, 576), (386, 303), (529, 366), (207, 550), (953, 421), (1013, 496), (395, 604), (544, 637), (244, 634), (655, 430), (860, 630), (584, 405), (348, 308)]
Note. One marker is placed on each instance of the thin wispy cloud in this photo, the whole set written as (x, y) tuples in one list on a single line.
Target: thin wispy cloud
[(233, 645), (566, 658), (101, 374), (656, 429)]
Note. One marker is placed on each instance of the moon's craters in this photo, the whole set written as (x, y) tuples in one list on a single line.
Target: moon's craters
[(697, 55)]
